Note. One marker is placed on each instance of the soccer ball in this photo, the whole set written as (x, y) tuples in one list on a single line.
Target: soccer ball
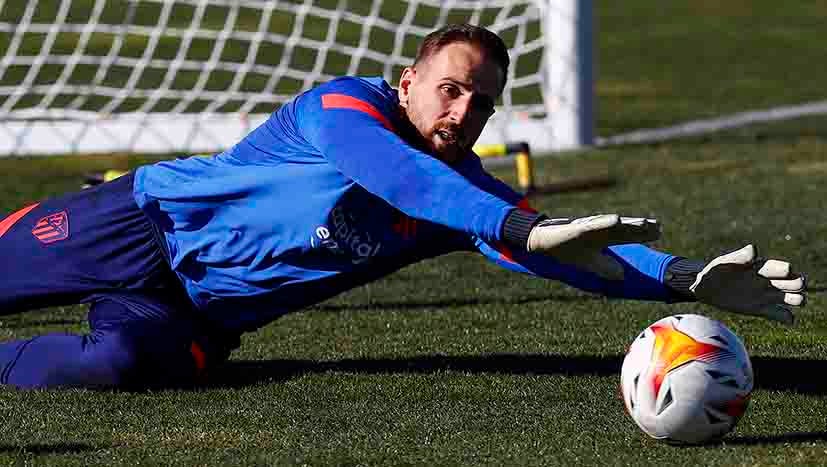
[(686, 379)]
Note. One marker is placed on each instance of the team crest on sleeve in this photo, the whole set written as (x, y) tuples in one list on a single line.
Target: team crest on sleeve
[(52, 228)]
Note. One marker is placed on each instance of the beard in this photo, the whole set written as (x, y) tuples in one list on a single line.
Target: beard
[(444, 140), (448, 142)]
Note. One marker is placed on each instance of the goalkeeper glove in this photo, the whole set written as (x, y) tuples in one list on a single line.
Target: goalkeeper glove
[(581, 242), (743, 283)]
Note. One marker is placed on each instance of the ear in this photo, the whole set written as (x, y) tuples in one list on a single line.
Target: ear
[(405, 80)]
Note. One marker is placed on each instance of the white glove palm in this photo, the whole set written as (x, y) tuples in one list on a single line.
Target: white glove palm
[(580, 242), (742, 283)]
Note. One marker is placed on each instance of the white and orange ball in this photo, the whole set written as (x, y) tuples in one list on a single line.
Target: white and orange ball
[(686, 379)]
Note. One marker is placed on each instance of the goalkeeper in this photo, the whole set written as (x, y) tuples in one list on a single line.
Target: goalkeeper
[(347, 183)]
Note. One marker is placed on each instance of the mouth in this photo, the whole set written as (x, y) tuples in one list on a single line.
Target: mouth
[(447, 137)]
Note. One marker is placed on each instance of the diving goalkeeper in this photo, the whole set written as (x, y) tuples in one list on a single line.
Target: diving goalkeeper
[(345, 184)]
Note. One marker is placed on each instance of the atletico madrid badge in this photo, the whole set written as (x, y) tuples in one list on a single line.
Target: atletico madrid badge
[(52, 228)]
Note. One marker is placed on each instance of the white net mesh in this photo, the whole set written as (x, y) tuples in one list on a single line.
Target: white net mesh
[(190, 75)]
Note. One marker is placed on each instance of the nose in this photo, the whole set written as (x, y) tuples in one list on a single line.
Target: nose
[(460, 109)]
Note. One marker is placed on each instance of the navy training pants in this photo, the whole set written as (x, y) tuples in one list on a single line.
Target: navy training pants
[(97, 247)]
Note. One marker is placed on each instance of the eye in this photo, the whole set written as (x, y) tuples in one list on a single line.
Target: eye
[(450, 91)]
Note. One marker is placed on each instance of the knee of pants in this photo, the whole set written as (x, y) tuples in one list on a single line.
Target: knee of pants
[(111, 359), (137, 360)]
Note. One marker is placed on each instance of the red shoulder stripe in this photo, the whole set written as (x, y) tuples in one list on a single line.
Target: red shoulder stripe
[(343, 101), (8, 222)]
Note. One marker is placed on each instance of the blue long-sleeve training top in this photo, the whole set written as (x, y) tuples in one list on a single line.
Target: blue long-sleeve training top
[(327, 195)]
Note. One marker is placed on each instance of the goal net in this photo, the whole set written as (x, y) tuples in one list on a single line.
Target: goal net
[(144, 76)]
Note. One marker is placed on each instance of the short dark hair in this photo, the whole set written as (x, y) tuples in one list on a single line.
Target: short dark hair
[(488, 41)]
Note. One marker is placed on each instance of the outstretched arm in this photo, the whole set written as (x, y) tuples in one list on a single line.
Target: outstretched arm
[(643, 271), (352, 123), (740, 282)]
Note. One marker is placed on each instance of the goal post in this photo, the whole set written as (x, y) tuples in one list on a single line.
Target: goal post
[(194, 76)]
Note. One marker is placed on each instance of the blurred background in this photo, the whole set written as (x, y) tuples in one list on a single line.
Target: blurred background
[(155, 76)]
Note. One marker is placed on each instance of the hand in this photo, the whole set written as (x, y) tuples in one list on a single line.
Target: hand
[(742, 283), (580, 242)]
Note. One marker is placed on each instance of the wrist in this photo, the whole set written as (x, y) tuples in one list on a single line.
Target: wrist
[(517, 227), (681, 274)]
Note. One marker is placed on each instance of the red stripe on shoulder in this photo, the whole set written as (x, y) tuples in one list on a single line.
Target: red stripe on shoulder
[(8, 222), (343, 101)]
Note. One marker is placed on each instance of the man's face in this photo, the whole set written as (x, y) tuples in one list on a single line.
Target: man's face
[(449, 97)]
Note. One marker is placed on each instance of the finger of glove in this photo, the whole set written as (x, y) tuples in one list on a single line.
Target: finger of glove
[(585, 230), (773, 296), (775, 269), (795, 299), (743, 256), (789, 285), (638, 221), (775, 307), (779, 313), (548, 237), (604, 221), (619, 234), (597, 222), (631, 231)]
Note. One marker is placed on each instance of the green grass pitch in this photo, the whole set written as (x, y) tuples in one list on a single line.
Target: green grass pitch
[(456, 362)]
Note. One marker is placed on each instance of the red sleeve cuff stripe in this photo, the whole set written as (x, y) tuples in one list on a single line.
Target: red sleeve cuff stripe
[(525, 206), (343, 101), (505, 253)]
